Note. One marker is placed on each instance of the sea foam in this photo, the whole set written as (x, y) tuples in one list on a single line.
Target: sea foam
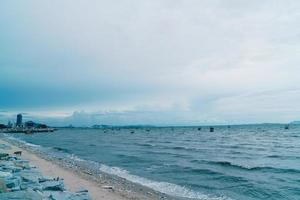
[(11, 138), (163, 187)]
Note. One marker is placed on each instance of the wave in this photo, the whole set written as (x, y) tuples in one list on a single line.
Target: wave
[(144, 144), (274, 156), (130, 158), (163, 187), (180, 148), (203, 171), (76, 158), (193, 149), (230, 164), (252, 168), (175, 168), (61, 149), (283, 156), (13, 139)]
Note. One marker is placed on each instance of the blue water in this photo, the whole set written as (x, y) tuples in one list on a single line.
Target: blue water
[(238, 162)]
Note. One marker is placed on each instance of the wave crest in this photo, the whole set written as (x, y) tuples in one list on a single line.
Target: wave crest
[(163, 187)]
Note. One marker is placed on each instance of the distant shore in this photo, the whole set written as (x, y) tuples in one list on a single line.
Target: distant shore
[(100, 187)]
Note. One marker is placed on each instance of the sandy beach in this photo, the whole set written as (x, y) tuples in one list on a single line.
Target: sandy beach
[(75, 181)]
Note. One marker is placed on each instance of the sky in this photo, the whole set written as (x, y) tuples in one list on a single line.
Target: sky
[(158, 62)]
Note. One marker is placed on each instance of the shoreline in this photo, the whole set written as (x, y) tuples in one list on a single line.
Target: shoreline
[(99, 185)]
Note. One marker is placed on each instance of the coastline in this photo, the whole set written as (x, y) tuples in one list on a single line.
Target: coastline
[(100, 186)]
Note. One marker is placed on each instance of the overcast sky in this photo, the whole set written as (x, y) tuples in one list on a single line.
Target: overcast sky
[(150, 62)]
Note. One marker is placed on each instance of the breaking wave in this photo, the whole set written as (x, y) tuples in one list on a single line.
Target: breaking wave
[(13, 139), (62, 149), (252, 168), (163, 187)]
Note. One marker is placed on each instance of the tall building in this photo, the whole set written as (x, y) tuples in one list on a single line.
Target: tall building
[(19, 120)]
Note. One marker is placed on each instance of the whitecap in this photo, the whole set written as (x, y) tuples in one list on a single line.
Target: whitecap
[(163, 187)]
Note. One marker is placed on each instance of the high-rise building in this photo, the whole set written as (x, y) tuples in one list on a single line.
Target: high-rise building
[(19, 120)]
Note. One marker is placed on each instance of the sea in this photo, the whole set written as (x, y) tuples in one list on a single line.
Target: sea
[(241, 162)]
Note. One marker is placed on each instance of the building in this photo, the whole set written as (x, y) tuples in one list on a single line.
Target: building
[(42, 126), (30, 124), (19, 120)]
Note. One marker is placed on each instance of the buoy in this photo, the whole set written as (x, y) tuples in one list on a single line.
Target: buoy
[(286, 127), (211, 129)]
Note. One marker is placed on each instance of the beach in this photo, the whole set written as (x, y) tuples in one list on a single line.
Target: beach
[(183, 163), (76, 181)]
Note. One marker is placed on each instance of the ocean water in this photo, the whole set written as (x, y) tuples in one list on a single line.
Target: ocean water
[(238, 162)]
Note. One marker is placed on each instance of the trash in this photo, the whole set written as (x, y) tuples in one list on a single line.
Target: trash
[(107, 187), (18, 153)]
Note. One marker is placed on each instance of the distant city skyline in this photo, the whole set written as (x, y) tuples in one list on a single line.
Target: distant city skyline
[(160, 62)]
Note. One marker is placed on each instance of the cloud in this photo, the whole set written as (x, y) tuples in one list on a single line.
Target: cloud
[(82, 118), (193, 57)]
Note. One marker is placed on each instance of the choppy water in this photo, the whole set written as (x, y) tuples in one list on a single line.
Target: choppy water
[(237, 162)]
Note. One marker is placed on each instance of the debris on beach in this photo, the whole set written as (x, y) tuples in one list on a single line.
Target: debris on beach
[(21, 181), (18, 153), (108, 187)]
